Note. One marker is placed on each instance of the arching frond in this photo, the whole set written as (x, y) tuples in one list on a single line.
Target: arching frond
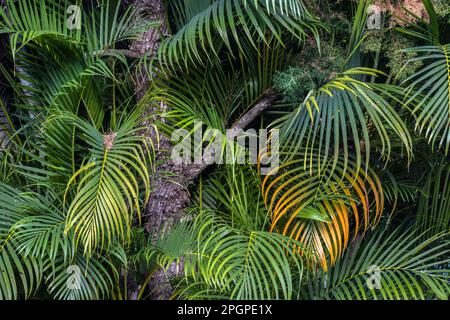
[(58, 69), (233, 21), (197, 97), (388, 266), (235, 194), (430, 99), (20, 275), (433, 212), (251, 265), (108, 184), (42, 21), (80, 279), (340, 118), (27, 21), (233, 263), (322, 206)]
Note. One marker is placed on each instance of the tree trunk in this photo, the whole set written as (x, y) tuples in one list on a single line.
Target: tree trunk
[(165, 198), (169, 194)]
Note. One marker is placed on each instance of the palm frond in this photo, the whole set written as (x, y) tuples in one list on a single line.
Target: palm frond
[(233, 263), (27, 21), (108, 184), (196, 96), (388, 266), (80, 279), (358, 33), (20, 275), (430, 99), (322, 206), (433, 212), (59, 71), (39, 232), (340, 118), (234, 193), (233, 21)]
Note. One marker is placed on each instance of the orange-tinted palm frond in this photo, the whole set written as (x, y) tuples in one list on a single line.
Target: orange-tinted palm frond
[(323, 208)]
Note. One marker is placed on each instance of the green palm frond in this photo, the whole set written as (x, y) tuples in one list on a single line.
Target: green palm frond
[(430, 99), (6, 163), (233, 263), (42, 21), (110, 25), (81, 279), (196, 96), (78, 165), (108, 185), (59, 71), (255, 265), (193, 99), (62, 85), (7, 128), (233, 21), (433, 214), (341, 118), (394, 265), (247, 253), (358, 33), (235, 193), (40, 236), (399, 186), (39, 233), (400, 191), (428, 29), (199, 291), (26, 21), (20, 275)]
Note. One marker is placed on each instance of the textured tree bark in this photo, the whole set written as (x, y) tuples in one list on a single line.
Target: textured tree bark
[(170, 196), (169, 191)]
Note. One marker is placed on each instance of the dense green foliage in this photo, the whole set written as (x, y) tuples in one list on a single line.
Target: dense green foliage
[(363, 187)]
